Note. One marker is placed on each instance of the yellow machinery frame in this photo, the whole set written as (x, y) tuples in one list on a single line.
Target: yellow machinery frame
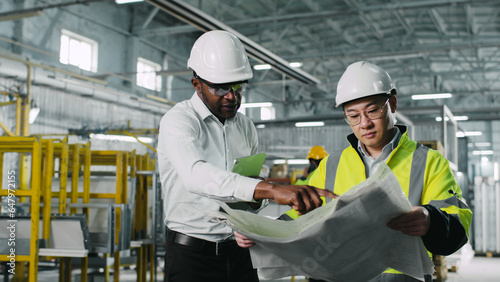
[(44, 152), (42, 167), (33, 146), (70, 159), (121, 160), (144, 180)]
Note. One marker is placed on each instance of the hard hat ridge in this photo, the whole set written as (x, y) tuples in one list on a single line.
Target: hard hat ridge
[(219, 57), (362, 79)]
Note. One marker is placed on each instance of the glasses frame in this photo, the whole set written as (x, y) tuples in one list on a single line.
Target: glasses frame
[(222, 89), (366, 114)]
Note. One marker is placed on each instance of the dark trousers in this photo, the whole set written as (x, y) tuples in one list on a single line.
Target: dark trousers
[(207, 262)]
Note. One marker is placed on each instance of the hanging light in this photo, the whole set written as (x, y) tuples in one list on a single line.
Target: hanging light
[(33, 114)]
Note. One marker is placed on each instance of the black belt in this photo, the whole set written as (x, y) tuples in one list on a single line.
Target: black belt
[(208, 247)]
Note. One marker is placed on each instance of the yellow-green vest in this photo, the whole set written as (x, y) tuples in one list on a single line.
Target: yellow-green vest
[(425, 170)]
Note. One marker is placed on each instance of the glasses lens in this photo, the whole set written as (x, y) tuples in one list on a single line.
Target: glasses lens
[(237, 89), (219, 91), (352, 120), (376, 113)]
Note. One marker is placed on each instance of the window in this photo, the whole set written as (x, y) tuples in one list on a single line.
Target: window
[(78, 50), (267, 113), (146, 74)]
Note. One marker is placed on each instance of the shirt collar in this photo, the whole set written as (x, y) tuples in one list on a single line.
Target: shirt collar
[(390, 146), (200, 107), (203, 110)]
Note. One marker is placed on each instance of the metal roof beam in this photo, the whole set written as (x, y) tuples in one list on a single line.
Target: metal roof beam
[(205, 22), (438, 21), (150, 17), (402, 20), (491, 19)]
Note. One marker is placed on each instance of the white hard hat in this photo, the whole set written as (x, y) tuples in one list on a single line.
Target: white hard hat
[(219, 57), (362, 79)]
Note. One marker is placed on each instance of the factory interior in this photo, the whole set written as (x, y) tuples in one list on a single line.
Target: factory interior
[(84, 85)]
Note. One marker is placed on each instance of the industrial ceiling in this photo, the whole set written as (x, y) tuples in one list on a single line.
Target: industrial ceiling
[(447, 46)]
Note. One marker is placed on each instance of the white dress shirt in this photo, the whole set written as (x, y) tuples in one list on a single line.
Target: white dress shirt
[(196, 153)]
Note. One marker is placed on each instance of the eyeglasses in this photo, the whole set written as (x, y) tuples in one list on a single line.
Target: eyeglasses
[(222, 89), (371, 113)]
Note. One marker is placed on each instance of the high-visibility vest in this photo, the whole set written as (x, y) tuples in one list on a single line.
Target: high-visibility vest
[(424, 175), (304, 181)]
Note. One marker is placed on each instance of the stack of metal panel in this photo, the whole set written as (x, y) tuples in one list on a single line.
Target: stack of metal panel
[(486, 215)]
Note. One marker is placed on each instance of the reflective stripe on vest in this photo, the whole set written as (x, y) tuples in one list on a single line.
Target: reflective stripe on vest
[(416, 176), (332, 164)]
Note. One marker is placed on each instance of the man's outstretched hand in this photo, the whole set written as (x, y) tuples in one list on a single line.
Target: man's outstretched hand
[(302, 198)]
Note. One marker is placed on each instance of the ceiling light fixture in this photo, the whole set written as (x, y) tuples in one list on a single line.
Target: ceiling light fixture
[(296, 64), (127, 1), (468, 133), (256, 105), (457, 118), (307, 124), (111, 137), (482, 152), (482, 144), (431, 96), (262, 67), (33, 114), (268, 66), (292, 162)]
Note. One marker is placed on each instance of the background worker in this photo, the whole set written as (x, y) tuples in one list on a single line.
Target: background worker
[(315, 155), (439, 217), (198, 142)]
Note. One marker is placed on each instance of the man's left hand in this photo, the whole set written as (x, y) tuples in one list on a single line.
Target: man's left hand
[(414, 223)]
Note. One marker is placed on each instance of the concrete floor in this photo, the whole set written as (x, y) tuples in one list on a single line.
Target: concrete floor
[(476, 269), (479, 269)]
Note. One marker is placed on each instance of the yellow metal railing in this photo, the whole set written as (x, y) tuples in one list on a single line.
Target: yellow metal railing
[(33, 147), (121, 161), (145, 168)]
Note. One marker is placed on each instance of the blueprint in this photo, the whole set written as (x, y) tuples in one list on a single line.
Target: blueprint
[(344, 240)]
